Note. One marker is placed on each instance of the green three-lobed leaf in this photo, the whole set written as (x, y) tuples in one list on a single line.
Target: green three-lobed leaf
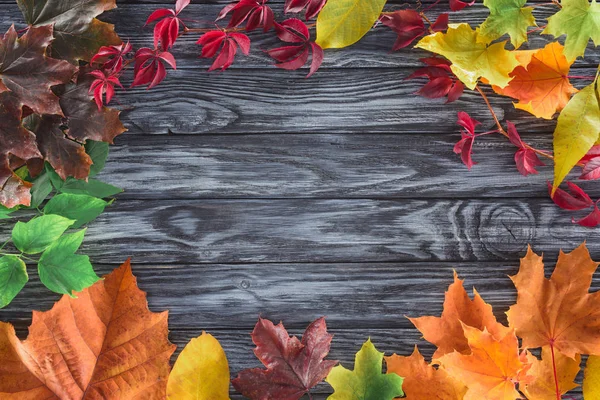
[(507, 17)]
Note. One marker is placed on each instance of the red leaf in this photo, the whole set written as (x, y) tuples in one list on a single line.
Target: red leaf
[(526, 161), (313, 7), (294, 57), (441, 23), (180, 5), (456, 91), (408, 24), (167, 30), (149, 68), (112, 57), (591, 220), (457, 5), (103, 84), (292, 31), (591, 169), (464, 147), (255, 13), (317, 58), (577, 199), (228, 43), (467, 122), (436, 88), (293, 366)]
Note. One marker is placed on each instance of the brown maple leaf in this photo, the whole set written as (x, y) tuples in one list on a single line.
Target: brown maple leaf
[(105, 344), (28, 73), (446, 332), (558, 312)]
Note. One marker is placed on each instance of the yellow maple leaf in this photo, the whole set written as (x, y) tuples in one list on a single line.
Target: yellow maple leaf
[(543, 387)]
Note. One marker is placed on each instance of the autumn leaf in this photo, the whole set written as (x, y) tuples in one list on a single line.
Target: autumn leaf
[(493, 367), (559, 311), (591, 379), (447, 332), (507, 17), (78, 34), (423, 381), (541, 82), (577, 130), (366, 382), (28, 74), (201, 371), (580, 21), (293, 366), (104, 344), (344, 22), (543, 386), (470, 58)]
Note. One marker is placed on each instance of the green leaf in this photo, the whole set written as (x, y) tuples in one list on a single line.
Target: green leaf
[(36, 235), (40, 190), (98, 152), (507, 16), (13, 276), (343, 22), (5, 212), (577, 130), (63, 271), (580, 21), (92, 187), (79, 207), (366, 382)]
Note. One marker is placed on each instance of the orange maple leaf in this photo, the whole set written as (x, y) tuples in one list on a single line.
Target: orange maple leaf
[(493, 369), (540, 82), (446, 332), (558, 312), (105, 344), (423, 381), (544, 385)]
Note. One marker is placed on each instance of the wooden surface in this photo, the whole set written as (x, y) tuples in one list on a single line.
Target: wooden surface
[(258, 192)]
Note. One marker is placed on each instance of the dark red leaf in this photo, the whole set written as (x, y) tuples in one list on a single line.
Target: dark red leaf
[(436, 88), (456, 91), (112, 57), (317, 58), (464, 147), (256, 13), (292, 30), (149, 68), (457, 5), (293, 367), (166, 31), (282, 54), (513, 135), (591, 220), (408, 24), (441, 23), (227, 43), (592, 153), (526, 161), (103, 84), (591, 169), (313, 7), (576, 199), (467, 122), (159, 14), (294, 57)]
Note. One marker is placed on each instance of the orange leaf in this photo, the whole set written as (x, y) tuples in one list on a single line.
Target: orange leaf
[(559, 311), (105, 344), (541, 82), (493, 368), (446, 332), (543, 387), (423, 381)]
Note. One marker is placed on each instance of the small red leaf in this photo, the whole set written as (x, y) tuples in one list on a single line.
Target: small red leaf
[(441, 23), (591, 220), (464, 147), (457, 5), (591, 169), (526, 161), (467, 122), (577, 199), (227, 43), (292, 30), (408, 24), (456, 91), (436, 88), (149, 68), (255, 13)]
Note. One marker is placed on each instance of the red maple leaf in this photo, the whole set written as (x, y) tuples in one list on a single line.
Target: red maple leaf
[(257, 13), (149, 66), (442, 81), (228, 43), (295, 56), (313, 7), (464, 146), (525, 158), (167, 30), (409, 25), (111, 58), (293, 366), (103, 84)]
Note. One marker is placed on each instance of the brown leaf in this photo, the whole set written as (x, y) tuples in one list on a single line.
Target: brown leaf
[(105, 344)]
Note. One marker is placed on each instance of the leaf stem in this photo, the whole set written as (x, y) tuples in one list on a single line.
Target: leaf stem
[(558, 396), (4, 244)]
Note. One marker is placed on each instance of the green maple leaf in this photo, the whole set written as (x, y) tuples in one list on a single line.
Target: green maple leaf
[(580, 21), (78, 34), (507, 17), (366, 382)]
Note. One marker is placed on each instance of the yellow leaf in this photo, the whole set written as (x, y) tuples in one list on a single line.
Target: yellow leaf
[(591, 379), (470, 59), (343, 22), (577, 130), (201, 371), (543, 387)]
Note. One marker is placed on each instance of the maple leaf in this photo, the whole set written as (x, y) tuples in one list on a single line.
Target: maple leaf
[(255, 12), (103, 344), (543, 386), (591, 379), (580, 21), (313, 7), (28, 74), (507, 17), (293, 57), (493, 367), (447, 332), (470, 58), (366, 382), (167, 30), (77, 33), (201, 371), (293, 366), (227, 43), (103, 84), (409, 25), (423, 381), (150, 66), (557, 312), (111, 58), (540, 82), (525, 158)]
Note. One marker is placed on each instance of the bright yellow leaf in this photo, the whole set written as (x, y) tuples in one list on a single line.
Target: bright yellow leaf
[(201, 371), (470, 59), (577, 130), (343, 22), (591, 379)]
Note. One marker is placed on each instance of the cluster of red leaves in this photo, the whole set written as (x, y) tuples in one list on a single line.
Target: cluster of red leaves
[(225, 44), (574, 200), (167, 30), (313, 7), (409, 25), (296, 55), (255, 13), (442, 81)]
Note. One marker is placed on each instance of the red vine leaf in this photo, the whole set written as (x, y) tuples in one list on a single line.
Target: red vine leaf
[(575, 199), (525, 158), (149, 66), (167, 30), (111, 58), (255, 12), (464, 146), (103, 84), (28, 74), (293, 366), (591, 169), (409, 25), (77, 33), (457, 5), (313, 7), (442, 81), (295, 56), (591, 220), (227, 43)]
